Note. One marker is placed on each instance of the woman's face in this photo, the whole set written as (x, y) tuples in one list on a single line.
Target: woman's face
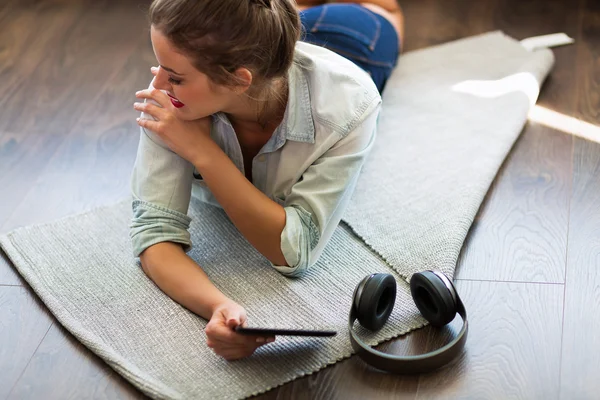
[(192, 93)]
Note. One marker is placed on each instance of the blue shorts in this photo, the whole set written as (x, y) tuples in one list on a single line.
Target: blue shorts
[(356, 33)]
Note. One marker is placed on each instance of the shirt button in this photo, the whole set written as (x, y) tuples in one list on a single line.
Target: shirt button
[(261, 158)]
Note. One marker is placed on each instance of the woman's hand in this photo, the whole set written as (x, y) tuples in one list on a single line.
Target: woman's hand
[(223, 339), (185, 138)]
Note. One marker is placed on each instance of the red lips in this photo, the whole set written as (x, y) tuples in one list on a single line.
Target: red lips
[(176, 103)]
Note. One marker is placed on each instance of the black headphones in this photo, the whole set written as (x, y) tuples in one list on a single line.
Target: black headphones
[(437, 300)]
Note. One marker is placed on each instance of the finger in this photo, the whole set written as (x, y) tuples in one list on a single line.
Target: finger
[(232, 322), (222, 333), (246, 341), (221, 348), (225, 336), (148, 124), (233, 317), (149, 108), (156, 95), (154, 70), (244, 320)]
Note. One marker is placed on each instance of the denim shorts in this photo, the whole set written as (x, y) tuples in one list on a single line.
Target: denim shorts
[(356, 33)]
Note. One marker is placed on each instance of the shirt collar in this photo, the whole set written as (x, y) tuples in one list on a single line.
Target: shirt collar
[(297, 123)]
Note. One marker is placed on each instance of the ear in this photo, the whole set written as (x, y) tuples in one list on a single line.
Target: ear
[(245, 77)]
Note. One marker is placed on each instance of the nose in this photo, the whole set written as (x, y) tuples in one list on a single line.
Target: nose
[(161, 80)]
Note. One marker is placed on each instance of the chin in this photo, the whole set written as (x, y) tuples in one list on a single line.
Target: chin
[(184, 114), (188, 116)]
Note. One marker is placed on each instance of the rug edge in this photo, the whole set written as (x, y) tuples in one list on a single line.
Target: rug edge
[(146, 384), (412, 328), (69, 216)]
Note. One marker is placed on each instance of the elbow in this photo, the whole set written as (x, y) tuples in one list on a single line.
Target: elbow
[(157, 256), (278, 258), (153, 224), (290, 262), (145, 262), (148, 258), (299, 238)]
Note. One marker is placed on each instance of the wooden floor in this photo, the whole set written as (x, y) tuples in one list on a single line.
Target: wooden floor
[(529, 270)]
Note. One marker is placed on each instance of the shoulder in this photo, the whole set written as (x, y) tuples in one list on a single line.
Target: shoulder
[(342, 94)]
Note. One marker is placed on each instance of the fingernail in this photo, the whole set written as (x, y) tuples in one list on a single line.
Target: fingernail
[(260, 340)]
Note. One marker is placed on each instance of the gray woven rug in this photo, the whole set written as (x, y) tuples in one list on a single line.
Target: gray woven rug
[(438, 150)]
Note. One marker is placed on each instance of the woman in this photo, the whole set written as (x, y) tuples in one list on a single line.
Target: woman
[(249, 118)]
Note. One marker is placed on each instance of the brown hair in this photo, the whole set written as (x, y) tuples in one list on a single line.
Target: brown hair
[(220, 36)]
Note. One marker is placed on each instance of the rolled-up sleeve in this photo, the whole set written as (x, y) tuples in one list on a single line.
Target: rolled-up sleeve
[(161, 184), (317, 202)]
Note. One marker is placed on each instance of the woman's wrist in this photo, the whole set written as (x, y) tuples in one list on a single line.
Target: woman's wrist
[(223, 301), (206, 155)]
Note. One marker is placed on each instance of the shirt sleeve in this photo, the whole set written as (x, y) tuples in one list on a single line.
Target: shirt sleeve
[(161, 186), (317, 202)]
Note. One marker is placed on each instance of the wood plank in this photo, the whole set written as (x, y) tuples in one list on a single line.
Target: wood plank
[(8, 274), (23, 156), (581, 343), (348, 379), (512, 358), (429, 23), (67, 82), (520, 232), (30, 31), (513, 348), (98, 90), (23, 324), (92, 167), (522, 19), (62, 368), (501, 360)]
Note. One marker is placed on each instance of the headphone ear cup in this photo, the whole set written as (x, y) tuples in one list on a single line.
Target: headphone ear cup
[(376, 301), (433, 298)]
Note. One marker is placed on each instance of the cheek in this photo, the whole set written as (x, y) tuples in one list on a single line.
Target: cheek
[(199, 97), (200, 101), (189, 93)]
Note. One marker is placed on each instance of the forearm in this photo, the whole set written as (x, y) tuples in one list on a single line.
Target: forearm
[(259, 219), (178, 276)]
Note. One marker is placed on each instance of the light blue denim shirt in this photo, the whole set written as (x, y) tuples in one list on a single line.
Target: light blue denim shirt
[(309, 166)]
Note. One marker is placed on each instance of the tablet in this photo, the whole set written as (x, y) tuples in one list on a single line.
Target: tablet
[(283, 332)]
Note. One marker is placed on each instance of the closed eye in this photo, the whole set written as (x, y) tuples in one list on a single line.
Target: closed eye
[(174, 81)]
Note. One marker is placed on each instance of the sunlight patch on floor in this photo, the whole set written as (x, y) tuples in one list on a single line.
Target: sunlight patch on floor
[(564, 123), (527, 83)]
